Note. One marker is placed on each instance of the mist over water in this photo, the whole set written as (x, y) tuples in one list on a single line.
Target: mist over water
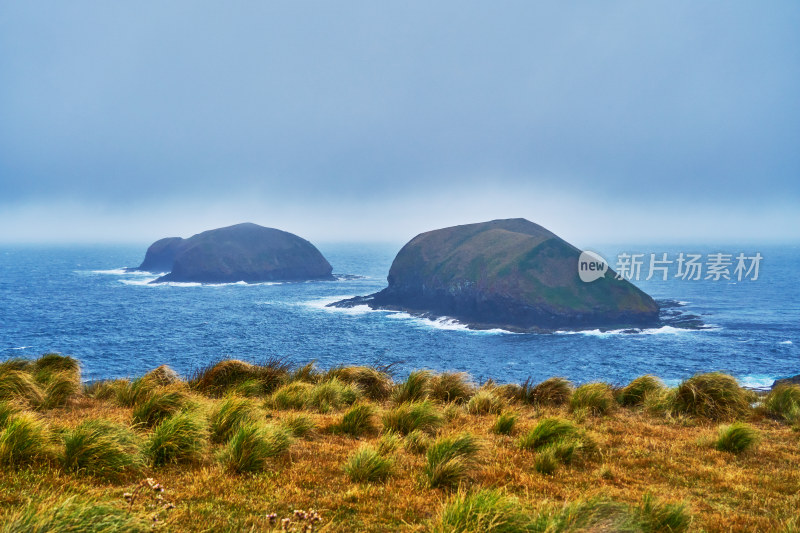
[(79, 301)]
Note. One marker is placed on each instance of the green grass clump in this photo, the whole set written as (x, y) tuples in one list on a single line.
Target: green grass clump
[(714, 395), (656, 516), (290, 396), (358, 420), (415, 388), (332, 395), (130, 393), (375, 384), (485, 402), (594, 398), (448, 459), (366, 465), (24, 440), (550, 392), (54, 362), (389, 443), (300, 426), (7, 412), (158, 405), (417, 442), (783, 403), (451, 387), (634, 393), (252, 445), (101, 448), (505, 423), (408, 417), (220, 378), (19, 386), (736, 438), (547, 431), (226, 418), (71, 515), (594, 514), (180, 438), (59, 387), (484, 511)]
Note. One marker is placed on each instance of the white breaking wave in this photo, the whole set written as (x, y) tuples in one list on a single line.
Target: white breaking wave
[(442, 323), (785, 342), (758, 381), (21, 348), (663, 330), (123, 272)]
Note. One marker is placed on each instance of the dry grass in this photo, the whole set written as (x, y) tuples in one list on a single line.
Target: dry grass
[(635, 453)]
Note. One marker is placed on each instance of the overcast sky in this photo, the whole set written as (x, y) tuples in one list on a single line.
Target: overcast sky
[(604, 121)]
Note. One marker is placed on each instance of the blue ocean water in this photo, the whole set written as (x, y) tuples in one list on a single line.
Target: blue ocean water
[(77, 300)]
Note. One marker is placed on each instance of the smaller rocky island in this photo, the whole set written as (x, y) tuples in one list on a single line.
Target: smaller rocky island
[(510, 274), (243, 252)]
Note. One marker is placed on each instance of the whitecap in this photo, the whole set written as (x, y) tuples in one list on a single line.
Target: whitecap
[(663, 330), (785, 342), (757, 381), (21, 348)]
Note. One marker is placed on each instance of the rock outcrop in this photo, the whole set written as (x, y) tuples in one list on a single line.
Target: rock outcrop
[(244, 252), (511, 274)]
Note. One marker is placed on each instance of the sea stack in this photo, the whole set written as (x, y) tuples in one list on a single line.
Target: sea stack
[(244, 252), (510, 274)]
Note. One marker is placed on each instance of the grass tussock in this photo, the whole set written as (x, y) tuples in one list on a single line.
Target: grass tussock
[(484, 511), (54, 362), (389, 443), (300, 426), (357, 421), (415, 388), (417, 442), (367, 465), (7, 412), (450, 387), (18, 385), (783, 403), (657, 516), (713, 395), (72, 515), (595, 399), (448, 460), (59, 388), (374, 383), (180, 438), (131, 393), (290, 396), (24, 440), (407, 417), (252, 446), (100, 448), (505, 423), (736, 438), (332, 395), (158, 405), (228, 416), (484, 402), (220, 378), (552, 392), (634, 393), (547, 431)]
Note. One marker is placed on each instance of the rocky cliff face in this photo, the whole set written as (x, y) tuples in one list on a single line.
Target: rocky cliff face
[(506, 273), (244, 252)]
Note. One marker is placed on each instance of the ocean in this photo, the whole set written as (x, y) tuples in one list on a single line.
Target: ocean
[(78, 300)]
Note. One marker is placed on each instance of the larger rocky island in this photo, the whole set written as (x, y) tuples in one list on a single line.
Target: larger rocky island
[(511, 274), (244, 252)]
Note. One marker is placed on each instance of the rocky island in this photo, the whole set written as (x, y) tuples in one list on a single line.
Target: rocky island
[(512, 274), (243, 252)]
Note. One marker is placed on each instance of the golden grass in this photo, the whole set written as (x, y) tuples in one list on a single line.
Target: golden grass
[(636, 453)]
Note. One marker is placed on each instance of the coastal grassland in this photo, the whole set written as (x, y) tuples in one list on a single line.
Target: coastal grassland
[(368, 454)]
